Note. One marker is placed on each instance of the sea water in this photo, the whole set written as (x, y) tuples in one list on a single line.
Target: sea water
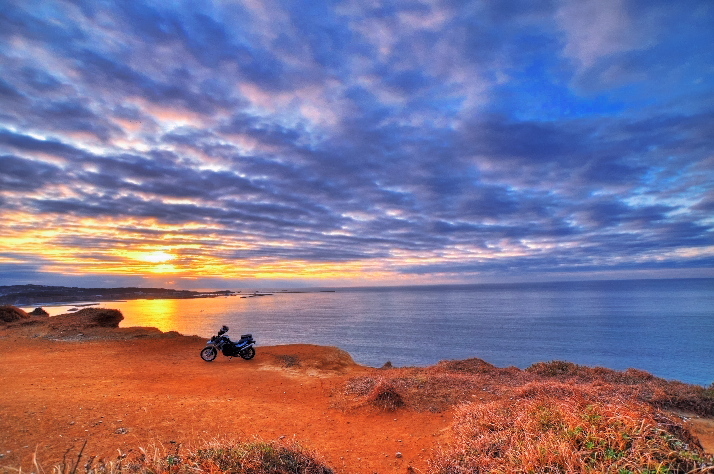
[(665, 327)]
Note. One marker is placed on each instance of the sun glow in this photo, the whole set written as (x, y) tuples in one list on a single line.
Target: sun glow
[(158, 256), (180, 254)]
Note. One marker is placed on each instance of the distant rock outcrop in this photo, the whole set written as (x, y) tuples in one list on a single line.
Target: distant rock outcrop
[(39, 312), (87, 318), (83, 325), (9, 314)]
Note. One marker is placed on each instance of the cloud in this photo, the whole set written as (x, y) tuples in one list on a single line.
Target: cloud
[(420, 138), (18, 173), (596, 29)]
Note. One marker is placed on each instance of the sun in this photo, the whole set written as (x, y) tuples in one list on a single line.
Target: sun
[(158, 256)]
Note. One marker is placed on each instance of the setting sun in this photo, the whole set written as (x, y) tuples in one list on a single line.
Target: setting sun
[(158, 256)]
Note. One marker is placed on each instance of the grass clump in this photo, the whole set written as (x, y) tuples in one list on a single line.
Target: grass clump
[(384, 395), (541, 431), (256, 457)]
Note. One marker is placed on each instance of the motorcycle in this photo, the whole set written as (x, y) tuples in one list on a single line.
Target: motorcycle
[(241, 348)]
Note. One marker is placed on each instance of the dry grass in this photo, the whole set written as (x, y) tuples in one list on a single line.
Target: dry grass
[(450, 383), (257, 457), (414, 391), (436, 388), (632, 383), (559, 428), (554, 417)]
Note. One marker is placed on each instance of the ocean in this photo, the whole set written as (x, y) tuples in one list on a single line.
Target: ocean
[(665, 327)]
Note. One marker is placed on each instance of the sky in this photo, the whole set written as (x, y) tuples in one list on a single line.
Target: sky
[(340, 143)]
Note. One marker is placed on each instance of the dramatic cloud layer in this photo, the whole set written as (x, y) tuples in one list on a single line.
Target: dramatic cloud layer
[(355, 141)]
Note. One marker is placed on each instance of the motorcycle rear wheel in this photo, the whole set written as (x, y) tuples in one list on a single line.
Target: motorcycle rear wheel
[(248, 353), (209, 353)]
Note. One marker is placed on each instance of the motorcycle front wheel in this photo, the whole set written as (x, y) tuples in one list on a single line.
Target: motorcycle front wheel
[(209, 353), (248, 353)]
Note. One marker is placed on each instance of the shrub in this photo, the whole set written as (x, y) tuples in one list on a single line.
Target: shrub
[(10, 314)]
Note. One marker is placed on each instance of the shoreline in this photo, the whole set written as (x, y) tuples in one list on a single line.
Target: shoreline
[(36, 322), (527, 326), (136, 331)]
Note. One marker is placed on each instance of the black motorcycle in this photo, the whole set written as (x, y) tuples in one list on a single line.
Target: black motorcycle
[(241, 348)]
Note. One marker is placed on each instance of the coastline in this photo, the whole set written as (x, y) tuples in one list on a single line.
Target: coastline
[(130, 388), (593, 323), (38, 295)]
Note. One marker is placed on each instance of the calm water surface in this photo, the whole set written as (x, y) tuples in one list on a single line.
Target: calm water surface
[(663, 326)]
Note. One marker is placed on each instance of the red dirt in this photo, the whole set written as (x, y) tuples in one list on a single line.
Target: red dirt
[(57, 394)]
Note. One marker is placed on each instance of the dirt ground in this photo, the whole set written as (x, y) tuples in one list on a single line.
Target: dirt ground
[(124, 394)]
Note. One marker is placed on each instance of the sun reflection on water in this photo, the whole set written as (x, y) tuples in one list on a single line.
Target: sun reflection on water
[(158, 313)]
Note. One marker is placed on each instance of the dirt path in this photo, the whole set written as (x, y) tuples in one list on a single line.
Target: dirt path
[(125, 394)]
